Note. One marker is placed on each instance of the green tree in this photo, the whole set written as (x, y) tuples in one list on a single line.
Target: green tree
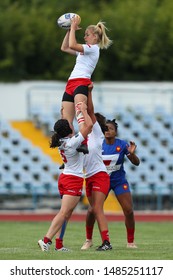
[(142, 34)]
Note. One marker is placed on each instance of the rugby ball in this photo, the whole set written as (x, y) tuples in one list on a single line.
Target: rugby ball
[(64, 21)]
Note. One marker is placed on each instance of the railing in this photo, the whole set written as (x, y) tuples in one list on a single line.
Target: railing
[(107, 96)]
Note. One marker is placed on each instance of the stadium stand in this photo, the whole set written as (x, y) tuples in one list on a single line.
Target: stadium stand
[(27, 168)]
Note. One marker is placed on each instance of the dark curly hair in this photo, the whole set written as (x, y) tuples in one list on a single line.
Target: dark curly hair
[(61, 130), (113, 122), (102, 122)]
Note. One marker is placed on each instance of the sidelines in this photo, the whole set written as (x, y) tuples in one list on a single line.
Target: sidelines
[(139, 217)]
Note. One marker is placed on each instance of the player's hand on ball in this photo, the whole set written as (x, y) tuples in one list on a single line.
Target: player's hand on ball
[(75, 21)]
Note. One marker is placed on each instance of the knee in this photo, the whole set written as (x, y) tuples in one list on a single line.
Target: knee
[(66, 214), (128, 212), (90, 211), (96, 209)]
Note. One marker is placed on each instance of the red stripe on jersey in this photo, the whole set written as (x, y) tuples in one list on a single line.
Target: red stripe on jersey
[(107, 162)]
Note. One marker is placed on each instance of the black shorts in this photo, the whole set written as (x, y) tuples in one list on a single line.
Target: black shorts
[(68, 97), (79, 90)]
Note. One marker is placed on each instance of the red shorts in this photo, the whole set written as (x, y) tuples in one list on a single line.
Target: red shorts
[(70, 184), (99, 182), (72, 84)]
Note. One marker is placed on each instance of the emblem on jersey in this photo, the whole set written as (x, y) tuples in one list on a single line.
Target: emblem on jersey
[(125, 187), (118, 148)]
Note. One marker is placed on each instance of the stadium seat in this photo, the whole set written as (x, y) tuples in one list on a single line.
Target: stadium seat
[(47, 181), (143, 189), (152, 163), (15, 154), (18, 189), (5, 162), (133, 179), (35, 110), (156, 128), (162, 190), (5, 128), (37, 188), (167, 120), (25, 146), (128, 120), (26, 162), (3, 189), (35, 170), (138, 111), (169, 163), (147, 119), (153, 180), (5, 146), (26, 180), (15, 137), (165, 137), (54, 169), (7, 180), (145, 136), (168, 179), (56, 111), (170, 147), (46, 122)]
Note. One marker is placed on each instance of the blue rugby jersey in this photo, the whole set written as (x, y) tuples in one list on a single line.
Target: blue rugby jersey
[(113, 157)]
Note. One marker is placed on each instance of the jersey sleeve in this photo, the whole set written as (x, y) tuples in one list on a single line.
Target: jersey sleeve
[(89, 48), (75, 141)]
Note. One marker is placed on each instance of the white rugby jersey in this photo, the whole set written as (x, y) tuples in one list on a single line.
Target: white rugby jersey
[(85, 62), (72, 159), (93, 162)]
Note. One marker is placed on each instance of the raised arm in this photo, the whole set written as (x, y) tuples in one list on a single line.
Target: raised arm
[(65, 44), (90, 104), (86, 126), (72, 36)]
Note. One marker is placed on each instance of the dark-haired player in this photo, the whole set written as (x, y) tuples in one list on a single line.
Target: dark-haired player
[(70, 181)]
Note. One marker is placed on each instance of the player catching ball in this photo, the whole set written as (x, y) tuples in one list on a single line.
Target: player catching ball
[(87, 56)]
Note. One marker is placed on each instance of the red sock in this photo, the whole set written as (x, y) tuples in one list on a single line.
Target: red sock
[(89, 232), (130, 235), (105, 235), (46, 240), (85, 142), (59, 243)]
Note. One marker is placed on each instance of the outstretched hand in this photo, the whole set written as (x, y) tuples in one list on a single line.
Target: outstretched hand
[(132, 147)]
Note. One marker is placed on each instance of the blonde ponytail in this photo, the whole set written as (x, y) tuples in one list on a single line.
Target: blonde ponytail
[(100, 30)]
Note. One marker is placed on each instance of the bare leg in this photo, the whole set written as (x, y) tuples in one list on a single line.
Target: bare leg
[(89, 226), (67, 207), (98, 199), (68, 112), (90, 217), (126, 203), (80, 98)]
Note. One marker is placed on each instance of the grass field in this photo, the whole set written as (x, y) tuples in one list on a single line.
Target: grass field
[(19, 242)]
